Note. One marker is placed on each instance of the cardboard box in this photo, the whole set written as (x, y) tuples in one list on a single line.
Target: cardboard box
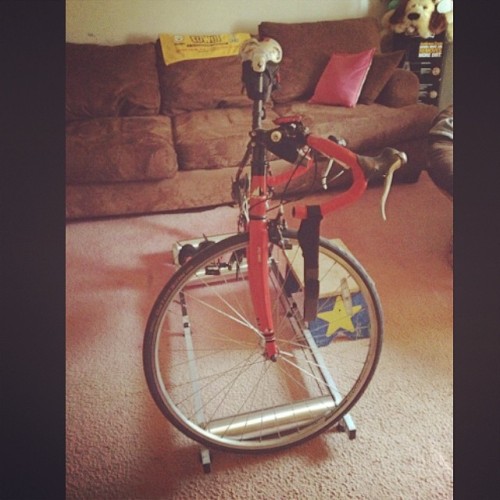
[(342, 313), (424, 57)]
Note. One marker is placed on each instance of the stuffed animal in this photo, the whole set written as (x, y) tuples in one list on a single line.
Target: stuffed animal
[(415, 18), (392, 4), (446, 7), (386, 25)]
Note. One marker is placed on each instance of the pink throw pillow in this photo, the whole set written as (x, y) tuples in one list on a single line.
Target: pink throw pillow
[(343, 78)]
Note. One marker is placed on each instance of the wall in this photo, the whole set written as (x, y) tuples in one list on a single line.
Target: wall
[(113, 22)]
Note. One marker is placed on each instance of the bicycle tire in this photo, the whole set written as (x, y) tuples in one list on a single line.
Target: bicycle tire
[(198, 333)]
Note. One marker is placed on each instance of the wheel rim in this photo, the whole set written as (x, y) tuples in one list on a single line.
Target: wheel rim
[(207, 371)]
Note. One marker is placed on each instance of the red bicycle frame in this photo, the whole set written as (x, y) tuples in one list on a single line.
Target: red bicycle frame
[(258, 247), (258, 269)]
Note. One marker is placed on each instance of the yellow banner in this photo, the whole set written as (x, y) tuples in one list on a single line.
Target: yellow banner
[(177, 48)]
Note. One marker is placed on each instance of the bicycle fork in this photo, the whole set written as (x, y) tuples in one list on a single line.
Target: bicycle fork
[(258, 265)]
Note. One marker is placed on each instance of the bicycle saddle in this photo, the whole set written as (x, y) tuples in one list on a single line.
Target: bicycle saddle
[(260, 52)]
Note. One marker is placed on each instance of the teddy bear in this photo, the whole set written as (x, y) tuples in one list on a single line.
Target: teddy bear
[(446, 7), (415, 18)]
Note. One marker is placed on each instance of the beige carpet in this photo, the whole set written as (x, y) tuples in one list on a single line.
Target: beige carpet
[(120, 447)]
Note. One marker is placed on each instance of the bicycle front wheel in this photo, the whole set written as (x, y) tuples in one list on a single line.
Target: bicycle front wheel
[(204, 355)]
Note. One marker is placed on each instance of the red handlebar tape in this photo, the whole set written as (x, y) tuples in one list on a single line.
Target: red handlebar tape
[(346, 157)]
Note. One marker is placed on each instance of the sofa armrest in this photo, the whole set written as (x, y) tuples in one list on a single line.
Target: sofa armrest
[(401, 90)]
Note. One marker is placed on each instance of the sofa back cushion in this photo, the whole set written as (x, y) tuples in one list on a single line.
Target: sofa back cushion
[(199, 84), (108, 81), (307, 48), (212, 139), (381, 71)]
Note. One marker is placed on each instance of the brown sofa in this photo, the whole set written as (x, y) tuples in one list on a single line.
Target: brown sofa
[(143, 137)]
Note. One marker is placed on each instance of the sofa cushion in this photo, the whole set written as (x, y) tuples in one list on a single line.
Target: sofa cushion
[(364, 127), (200, 84), (342, 80), (119, 150), (214, 138), (401, 90), (307, 48), (381, 70), (103, 80)]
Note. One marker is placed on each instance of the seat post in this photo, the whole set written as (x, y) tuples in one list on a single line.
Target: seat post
[(258, 109), (258, 150)]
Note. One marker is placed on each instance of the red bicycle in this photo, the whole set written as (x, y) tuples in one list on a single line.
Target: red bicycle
[(268, 337)]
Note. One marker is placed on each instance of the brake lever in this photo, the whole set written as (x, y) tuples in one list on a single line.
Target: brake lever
[(401, 160)]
